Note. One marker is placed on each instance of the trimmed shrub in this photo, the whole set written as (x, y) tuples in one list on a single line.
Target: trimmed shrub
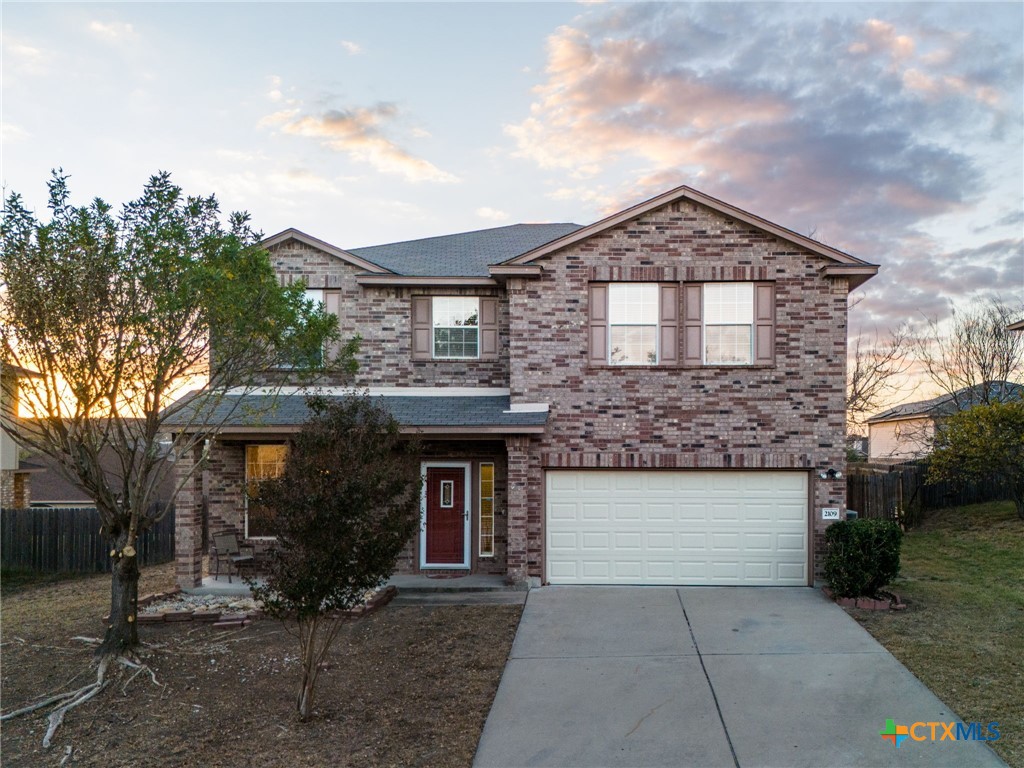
[(863, 556)]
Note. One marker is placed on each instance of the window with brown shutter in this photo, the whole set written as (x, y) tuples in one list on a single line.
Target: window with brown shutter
[(454, 328), (633, 323), (728, 324)]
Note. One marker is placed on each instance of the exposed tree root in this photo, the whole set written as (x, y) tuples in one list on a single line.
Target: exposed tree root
[(68, 700)]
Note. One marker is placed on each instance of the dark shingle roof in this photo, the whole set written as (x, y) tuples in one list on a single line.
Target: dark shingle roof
[(944, 405), (467, 254), (411, 411)]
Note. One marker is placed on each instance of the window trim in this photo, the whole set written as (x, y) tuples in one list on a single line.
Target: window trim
[(245, 487), (763, 327), (422, 328), (656, 325), (435, 328), (599, 325)]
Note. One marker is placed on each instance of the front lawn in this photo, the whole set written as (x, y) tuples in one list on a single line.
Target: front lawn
[(406, 686), (962, 635)]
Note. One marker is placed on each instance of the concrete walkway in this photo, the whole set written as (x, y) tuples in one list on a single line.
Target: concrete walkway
[(624, 676)]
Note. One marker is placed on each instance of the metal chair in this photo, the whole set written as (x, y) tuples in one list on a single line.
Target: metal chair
[(226, 547)]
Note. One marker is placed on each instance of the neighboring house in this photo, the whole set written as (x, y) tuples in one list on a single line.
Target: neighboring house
[(51, 488), (15, 473), (656, 398), (906, 431)]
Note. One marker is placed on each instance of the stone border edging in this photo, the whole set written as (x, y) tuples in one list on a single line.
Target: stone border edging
[(226, 620), (867, 603)]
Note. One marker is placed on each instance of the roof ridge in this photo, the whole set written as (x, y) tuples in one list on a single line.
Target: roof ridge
[(468, 232)]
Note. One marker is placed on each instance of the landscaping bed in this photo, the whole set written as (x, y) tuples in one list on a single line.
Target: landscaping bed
[(403, 686), (962, 634)]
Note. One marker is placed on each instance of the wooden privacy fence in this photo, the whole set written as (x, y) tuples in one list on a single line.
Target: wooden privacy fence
[(68, 540), (899, 492)]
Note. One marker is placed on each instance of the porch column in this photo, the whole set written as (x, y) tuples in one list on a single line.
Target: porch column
[(188, 522), (518, 476)]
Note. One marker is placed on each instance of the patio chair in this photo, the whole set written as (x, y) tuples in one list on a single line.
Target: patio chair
[(226, 547)]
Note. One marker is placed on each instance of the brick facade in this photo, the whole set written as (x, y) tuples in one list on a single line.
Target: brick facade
[(786, 415)]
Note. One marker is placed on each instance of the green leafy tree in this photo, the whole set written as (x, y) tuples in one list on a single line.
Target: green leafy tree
[(346, 505), (983, 441), (121, 315)]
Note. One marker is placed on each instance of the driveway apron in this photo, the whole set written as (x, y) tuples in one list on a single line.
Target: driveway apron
[(705, 676)]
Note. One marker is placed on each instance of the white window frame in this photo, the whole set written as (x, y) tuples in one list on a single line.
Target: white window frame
[(434, 327), (614, 288), (246, 487), (480, 543), (713, 288)]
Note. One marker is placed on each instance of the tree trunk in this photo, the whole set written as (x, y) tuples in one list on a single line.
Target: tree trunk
[(122, 629), (304, 702)]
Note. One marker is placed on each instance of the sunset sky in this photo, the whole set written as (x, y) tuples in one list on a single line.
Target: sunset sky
[(892, 131)]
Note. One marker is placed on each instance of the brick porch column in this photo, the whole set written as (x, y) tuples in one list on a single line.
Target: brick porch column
[(518, 469), (188, 523)]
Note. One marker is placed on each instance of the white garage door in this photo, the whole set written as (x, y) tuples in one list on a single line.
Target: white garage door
[(677, 527)]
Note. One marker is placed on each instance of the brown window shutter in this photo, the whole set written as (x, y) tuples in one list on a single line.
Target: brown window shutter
[(422, 329), (488, 328), (693, 332), (764, 323), (332, 306), (598, 324), (668, 326)]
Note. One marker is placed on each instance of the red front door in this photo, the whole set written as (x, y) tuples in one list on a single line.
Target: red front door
[(446, 516)]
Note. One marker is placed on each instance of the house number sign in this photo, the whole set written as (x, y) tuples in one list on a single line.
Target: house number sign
[(829, 513)]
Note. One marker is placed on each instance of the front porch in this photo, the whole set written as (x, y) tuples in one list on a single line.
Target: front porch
[(486, 504)]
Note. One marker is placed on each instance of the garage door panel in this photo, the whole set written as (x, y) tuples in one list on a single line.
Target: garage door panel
[(562, 510), (592, 540), (790, 542), (677, 527)]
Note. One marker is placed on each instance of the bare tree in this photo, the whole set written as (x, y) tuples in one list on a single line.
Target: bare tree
[(118, 317), (876, 369), (971, 361)]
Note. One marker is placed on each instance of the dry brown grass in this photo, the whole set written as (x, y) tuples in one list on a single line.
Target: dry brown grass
[(406, 686), (962, 578)]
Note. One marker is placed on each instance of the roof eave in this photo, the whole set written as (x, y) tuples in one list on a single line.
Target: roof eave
[(340, 253), (516, 270), (856, 274), (680, 193), (284, 430), (425, 280)]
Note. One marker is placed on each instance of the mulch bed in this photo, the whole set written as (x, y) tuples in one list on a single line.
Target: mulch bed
[(404, 686)]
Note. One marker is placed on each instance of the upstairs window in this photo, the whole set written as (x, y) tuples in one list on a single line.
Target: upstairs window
[(633, 324), (728, 324), (456, 322), (454, 327)]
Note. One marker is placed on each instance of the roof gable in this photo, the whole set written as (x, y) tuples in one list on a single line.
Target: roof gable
[(333, 250), (843, 264)]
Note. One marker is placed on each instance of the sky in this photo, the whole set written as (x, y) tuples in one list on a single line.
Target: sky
[(894, 132)]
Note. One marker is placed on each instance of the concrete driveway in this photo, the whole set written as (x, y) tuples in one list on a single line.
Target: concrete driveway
[(657, 676)]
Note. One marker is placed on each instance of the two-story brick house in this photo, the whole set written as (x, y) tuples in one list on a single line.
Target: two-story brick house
[(655, 398)]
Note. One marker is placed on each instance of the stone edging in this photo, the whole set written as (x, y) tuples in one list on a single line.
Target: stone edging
[(227, 620), (867, 603)]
